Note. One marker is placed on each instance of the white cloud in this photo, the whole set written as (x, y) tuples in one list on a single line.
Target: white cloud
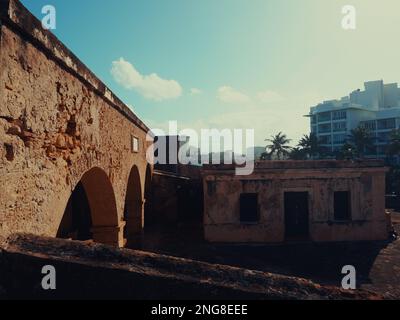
[(269, 97), (195, 91), (286, 116), (149, 86), (229, 95)]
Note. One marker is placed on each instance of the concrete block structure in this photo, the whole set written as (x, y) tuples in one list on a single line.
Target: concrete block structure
[(282, 201)]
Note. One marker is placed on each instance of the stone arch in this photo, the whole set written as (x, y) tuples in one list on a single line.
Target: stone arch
[(134, 209), (91, 212)]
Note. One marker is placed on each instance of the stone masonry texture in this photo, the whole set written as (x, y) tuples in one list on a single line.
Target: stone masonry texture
[(58, 122)]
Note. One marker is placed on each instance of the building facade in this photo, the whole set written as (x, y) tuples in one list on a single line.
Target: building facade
[(377, 108), (283, 201)]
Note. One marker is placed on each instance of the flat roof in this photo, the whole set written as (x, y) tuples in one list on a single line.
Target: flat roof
[(304, 164)]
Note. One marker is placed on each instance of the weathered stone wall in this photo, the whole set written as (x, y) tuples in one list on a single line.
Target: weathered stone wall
[(57, 122), (365, 181)]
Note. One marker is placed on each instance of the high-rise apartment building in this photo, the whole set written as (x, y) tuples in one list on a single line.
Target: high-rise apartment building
[(377, 108)]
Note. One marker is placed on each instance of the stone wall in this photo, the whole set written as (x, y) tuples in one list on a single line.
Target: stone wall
[(176, 198), (58, 122), (271, 179)]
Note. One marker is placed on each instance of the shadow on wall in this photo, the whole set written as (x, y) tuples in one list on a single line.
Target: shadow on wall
[(174, 200), (77, 220), (133, 211)]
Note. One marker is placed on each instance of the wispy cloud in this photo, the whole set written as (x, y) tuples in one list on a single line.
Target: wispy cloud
[(151, 86), (195, 91), (230, 95), (269, 96)]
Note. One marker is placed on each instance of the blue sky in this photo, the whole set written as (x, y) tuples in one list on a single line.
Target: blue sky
[(230, 63)]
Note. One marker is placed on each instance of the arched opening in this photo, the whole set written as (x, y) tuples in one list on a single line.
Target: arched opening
[(76, 223), (91, 212), (133, 211)]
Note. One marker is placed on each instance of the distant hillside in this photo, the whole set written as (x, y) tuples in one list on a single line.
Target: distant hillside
[(258, 151)]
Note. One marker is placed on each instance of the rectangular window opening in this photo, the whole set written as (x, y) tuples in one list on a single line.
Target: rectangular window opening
[(342, 206), (249, 208), (135, 144)]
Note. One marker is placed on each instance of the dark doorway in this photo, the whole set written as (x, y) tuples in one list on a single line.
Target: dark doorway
[(77, 222), (296, 216)]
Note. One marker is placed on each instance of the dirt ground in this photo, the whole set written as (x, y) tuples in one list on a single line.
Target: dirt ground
[(377, 263)]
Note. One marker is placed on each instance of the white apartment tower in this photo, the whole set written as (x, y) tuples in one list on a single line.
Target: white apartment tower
[(377, 108)]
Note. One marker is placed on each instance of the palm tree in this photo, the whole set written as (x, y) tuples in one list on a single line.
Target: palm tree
[(310, 145), (279, 146), (265, 156), (298, 154), (361, 139)]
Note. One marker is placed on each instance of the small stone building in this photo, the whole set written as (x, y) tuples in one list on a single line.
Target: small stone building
[(284, 201)]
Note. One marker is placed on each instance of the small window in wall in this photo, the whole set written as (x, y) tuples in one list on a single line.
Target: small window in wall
[(135, 144), (249, 208), (342, 206)]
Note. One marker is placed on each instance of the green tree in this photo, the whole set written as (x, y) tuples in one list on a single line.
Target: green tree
[(347, 152), (361, 139), (325, 152), (298, 153), (265, 156), (279, 146), (310, 145)]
